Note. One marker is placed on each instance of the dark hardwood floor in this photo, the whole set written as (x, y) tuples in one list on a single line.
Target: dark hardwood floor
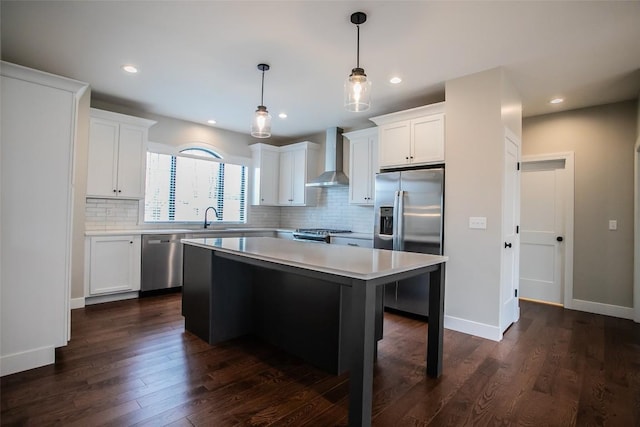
[(131, 363)]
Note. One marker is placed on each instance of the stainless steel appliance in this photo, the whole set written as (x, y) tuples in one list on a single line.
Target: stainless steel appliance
[(316, 234), (161, 262), (333, 175), (408, 217)]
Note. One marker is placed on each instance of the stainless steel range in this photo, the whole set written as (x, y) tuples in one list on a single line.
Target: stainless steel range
[(317, 234)]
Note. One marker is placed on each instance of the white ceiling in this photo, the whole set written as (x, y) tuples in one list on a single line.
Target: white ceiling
[(198, 60)]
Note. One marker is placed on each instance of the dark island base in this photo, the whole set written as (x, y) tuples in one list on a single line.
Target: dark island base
[(299, 314)]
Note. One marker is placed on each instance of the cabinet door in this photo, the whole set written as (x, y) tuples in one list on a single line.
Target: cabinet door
[(285, 192), (360, 170), (114, 264), (132, 153), (299, 177), (395, 144), (269, 178), (427, 137), (103, 155)]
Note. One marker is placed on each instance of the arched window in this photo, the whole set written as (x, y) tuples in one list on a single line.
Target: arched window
[(180, 187), (201, 152)]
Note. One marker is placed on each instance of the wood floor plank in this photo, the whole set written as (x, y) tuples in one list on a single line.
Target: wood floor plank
[(132, 363)]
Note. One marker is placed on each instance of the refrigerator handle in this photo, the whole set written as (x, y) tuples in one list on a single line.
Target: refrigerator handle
[(396, 208), (400, 221)]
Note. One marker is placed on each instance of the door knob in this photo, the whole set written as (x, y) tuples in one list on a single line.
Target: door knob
[(507, 245), (559, 239)]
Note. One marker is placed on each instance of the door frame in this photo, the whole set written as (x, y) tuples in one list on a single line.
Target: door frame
[(636, 243), (569, 202)]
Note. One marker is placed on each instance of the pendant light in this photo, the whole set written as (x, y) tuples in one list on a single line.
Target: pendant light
[(261, 126), (357, 89)]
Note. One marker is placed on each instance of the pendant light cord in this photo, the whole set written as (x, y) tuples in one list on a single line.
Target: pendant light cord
[(262, 91), (358, 48)]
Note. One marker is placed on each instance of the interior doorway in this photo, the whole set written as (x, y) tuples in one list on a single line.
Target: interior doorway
[(546, 237)]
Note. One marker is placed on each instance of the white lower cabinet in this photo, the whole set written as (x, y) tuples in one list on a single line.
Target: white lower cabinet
[(112, 264)]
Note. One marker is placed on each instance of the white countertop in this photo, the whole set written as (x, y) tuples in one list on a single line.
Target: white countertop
[(347, 261), (231, 230), (143, 231)]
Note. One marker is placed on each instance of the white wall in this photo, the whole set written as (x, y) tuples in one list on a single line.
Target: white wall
[(474, 110)]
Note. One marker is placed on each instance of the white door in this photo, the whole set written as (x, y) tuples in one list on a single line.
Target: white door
[(427, 139), (510, 310), (395, 144), (114, 264), (360, 179), (132, 155), (103, 158), (285, 191), (299, 177), (543, 231)]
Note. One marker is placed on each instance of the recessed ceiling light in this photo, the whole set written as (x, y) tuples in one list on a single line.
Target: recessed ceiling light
[(211, 122), (556, 101), (282, 115), (395, 80), (130, 68)]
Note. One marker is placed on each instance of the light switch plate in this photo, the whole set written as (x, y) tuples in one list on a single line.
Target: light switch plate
[(478, 222), (613, 224)]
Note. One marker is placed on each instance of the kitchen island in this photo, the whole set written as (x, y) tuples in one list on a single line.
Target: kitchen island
[(320, 302)]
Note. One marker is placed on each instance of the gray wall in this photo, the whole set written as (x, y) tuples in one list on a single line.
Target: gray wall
[(603, 140), (478, 107)]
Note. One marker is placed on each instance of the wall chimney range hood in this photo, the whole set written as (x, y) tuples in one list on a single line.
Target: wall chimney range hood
[(332, 175)]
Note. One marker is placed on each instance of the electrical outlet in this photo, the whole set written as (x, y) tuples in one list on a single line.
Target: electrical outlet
[(478, 222), (613, 224)]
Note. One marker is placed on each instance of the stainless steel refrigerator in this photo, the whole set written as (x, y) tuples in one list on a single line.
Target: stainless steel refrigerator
[(408, 217)]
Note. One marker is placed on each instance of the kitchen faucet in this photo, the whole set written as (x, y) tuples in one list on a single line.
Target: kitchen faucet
[(206, 224)]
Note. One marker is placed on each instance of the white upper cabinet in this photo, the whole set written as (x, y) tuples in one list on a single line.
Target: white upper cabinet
[(117, 155), (411, 137), (363, 165), (298, 164), (280, 174), (265, 174)]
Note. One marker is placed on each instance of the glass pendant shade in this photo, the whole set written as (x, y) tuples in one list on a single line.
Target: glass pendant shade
[(261, 126), (357, 88), (357, 91)]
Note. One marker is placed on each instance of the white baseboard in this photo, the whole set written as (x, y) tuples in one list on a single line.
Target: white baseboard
[(473, 328), (18, 362), (77, 303), (111, 297), (601, 308)]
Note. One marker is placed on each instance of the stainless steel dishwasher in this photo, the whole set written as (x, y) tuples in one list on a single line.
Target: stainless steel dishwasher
[(161, 262)]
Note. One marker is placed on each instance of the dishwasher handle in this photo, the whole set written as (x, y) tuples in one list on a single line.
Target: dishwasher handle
[(161, 241)]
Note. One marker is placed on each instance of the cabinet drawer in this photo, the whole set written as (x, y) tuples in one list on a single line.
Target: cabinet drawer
[(350, 241)]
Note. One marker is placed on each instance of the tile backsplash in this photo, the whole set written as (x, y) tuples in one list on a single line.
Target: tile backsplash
[(111, 214), (332, 211)]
